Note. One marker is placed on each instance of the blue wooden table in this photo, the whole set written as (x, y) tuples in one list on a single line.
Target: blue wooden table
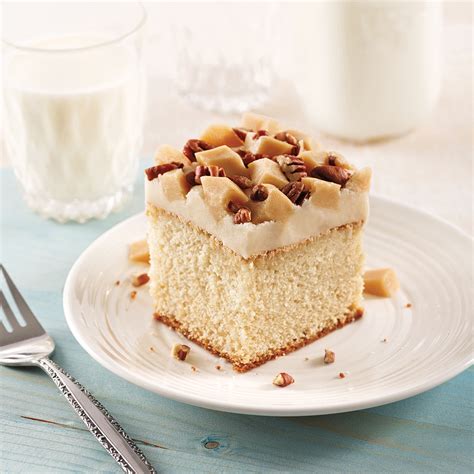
[(432, 432)]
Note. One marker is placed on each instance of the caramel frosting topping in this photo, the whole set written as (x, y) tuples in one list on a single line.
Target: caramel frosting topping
[(257, 187)]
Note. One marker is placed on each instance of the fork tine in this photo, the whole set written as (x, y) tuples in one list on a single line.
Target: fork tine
[(8, 312), (25, 310), (3, 329)]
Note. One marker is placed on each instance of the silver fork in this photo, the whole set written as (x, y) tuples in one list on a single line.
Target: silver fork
[(31, 345)]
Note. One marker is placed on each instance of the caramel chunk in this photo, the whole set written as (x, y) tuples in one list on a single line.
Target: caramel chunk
[(360, 181), (138, 252), (276, 207), (323, 193), (272, 147), (259, 122), (381, 282), (225, 158), (266, 171), (174, 185), (217, 135), (168, 154), (219, 192)]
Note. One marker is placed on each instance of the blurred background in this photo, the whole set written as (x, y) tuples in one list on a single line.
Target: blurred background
[(388, 84)]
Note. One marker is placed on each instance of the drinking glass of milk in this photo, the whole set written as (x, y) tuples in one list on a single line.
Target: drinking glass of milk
[(73, 99)]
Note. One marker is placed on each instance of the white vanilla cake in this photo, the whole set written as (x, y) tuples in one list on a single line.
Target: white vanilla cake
[(255, 240)]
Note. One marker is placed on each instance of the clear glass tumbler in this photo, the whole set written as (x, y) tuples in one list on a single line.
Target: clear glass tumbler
[(73, 100), (224, 55)]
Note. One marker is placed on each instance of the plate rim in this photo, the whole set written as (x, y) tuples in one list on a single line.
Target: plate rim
[(232, 407)]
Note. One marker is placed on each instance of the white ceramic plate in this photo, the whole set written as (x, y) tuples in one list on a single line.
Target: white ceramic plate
[(392, 353)]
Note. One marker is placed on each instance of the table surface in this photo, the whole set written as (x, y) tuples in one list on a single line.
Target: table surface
[(430, 168), (432, 432)]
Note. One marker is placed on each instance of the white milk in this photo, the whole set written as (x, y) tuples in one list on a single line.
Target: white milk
[(73, 121), (369, 69)]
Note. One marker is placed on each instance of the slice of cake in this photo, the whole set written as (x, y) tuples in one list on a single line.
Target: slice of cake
[(255, 240)]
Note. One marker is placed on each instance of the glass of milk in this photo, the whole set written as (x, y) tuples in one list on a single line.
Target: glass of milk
[(369, 70), (73, 99)]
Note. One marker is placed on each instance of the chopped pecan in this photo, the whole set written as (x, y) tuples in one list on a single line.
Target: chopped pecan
[(241, 133), (180, 351), (139, 280), (242, 216), (329, 356), (241, 181), (293, 167), (249, 157), (296, 192), (194, 146), (296, 150), (286, 137), (283, 380), (154, 171), (211, 170), (191, 178), (336, 159), (216, 171), (259, 133), (290, 139), (259, 193), (333, 174), (233, 207)]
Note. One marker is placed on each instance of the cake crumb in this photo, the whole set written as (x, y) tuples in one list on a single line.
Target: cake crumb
[(218, 367), (152, 349), (341, 375), (133, 295), (194, 368), (384, 339), (306, 358), (117, 283), (329, 356), (408, 305)]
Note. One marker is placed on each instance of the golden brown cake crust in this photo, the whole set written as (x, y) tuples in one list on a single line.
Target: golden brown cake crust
[(351, 316)]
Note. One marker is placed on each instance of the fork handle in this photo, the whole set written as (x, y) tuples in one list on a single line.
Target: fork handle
[(98, 421)]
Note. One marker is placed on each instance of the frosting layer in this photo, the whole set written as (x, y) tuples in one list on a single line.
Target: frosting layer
[(251, 239)]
